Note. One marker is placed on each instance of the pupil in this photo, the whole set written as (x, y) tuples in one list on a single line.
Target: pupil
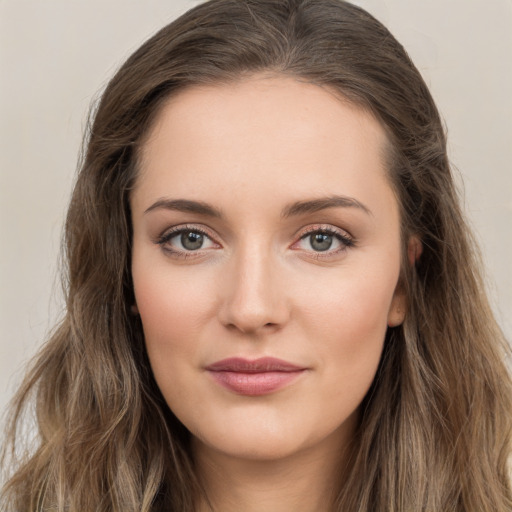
[(321, 241), (191, 240)]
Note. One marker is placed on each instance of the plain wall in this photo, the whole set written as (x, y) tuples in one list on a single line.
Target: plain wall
[(57, 54)]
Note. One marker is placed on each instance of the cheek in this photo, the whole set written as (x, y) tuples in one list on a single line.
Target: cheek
[(173, 310), (348, 320), (352, 306)]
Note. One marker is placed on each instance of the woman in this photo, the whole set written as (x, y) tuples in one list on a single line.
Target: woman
[(273, 301)]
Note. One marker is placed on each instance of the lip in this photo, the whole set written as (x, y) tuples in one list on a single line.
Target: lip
[(254, 377)]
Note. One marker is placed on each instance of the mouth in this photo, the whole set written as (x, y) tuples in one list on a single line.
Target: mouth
[(254, 378)]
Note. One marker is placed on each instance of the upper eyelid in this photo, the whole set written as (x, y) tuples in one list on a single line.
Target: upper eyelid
[(345, 239), (329, 228), (180, 228)]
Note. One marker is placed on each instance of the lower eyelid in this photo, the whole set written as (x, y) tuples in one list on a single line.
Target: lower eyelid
[(343, 244)]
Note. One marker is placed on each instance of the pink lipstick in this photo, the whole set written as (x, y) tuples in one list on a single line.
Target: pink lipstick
[(254, 378)]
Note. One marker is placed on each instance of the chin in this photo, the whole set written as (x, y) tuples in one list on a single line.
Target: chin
[(252, 446), (270, 438)]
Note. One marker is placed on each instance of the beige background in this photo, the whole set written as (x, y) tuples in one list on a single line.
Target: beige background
[(55, 55)]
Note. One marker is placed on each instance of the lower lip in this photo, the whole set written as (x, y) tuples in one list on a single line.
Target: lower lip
[(255, 384)]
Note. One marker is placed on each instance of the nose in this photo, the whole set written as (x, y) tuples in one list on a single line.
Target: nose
[(254, 298)]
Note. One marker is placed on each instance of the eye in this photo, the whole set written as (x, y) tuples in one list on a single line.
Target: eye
[(185, 240), (325, 240)]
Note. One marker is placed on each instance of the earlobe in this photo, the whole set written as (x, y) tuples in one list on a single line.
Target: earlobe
[(134, 310), (396, 315)]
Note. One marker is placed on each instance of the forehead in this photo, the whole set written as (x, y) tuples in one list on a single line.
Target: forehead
[(263, 133)]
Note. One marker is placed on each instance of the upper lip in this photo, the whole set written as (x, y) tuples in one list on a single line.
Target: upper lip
[(261, 365)]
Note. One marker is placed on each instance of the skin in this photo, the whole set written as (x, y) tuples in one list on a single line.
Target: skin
[(259, 286)]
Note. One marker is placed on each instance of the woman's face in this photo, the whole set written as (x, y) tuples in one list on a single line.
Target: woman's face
[(266, 255)]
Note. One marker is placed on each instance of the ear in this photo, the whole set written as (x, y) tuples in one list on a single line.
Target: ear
[(396, 315), (414, 250), (134, 310)]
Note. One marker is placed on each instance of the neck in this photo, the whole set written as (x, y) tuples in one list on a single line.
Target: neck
[(307, 480)]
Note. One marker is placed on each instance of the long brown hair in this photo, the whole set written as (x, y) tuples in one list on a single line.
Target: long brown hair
[(435, 432)]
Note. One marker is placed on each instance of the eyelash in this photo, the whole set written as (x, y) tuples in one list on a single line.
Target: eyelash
[(168, 235), (345, 240)]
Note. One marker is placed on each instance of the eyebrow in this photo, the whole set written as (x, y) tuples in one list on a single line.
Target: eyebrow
[(294, 209), (315, 205), (185, 205)]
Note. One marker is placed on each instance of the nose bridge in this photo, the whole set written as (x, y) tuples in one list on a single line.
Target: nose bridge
[(254, 295)]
